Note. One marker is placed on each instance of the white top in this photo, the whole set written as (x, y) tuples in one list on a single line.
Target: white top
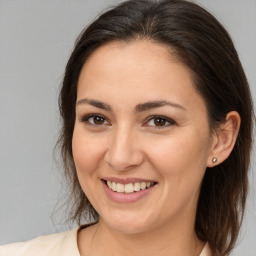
[(60, 244)]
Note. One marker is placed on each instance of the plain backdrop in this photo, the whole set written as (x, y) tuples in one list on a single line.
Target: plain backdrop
[(36, 39)]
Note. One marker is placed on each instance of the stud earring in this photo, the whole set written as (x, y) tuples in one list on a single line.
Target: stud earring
[(214, 160)]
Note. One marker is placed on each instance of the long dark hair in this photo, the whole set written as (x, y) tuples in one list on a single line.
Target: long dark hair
[(205, 47)]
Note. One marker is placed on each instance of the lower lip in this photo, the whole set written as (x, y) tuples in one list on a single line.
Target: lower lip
[(126, 197)]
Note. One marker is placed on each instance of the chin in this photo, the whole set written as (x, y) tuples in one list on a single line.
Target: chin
[(128, 228), (128, 223)]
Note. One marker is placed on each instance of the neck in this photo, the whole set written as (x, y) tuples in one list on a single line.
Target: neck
[(168, 240)]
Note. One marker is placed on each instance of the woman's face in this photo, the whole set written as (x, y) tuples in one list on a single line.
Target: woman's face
[(142, 129)]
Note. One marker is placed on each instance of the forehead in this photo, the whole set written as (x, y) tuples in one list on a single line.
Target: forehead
[(141, 57), (115, 49), (143, 70)]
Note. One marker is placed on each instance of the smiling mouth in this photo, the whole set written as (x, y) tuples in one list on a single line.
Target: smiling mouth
[(129, 187)]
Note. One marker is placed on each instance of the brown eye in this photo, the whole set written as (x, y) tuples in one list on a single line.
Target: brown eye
[(160, 122), (98, 120)]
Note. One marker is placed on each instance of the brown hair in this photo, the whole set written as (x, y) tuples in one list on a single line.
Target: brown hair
[(205, 47)]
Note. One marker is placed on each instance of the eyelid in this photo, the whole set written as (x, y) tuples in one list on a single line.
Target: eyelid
[(169, 120), (84, 119)]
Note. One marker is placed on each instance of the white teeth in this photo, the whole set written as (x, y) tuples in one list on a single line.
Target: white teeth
[(143, 185), (130, 187), (109, 184), (119, 187), (136, 186), (113, 187)]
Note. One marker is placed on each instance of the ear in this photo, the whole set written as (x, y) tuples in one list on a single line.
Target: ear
[(224, 139)]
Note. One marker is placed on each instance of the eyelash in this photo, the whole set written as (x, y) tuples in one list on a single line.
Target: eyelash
[(171, 122), (164, 118), (86, 118)]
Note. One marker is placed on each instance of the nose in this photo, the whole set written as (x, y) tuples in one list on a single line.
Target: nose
[(124, 151)]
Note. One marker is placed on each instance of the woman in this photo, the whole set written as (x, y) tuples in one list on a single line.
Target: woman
[(157, 130)]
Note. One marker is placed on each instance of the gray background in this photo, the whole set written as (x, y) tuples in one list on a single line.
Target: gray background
[(36, 38)]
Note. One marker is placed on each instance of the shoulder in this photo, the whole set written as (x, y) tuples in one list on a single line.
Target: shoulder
[(60, 244)]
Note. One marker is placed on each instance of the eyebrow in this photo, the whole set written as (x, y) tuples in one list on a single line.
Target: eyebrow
[(95, 103), (139, 108), (156, 104)]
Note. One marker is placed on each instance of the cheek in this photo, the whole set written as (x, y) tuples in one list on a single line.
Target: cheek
[(181, 164), (86, 152), (180, 155)]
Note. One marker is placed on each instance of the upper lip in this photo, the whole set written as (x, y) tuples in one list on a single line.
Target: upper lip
[(126, 180)]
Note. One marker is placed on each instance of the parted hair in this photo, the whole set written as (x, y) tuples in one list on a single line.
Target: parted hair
[(204, 46)]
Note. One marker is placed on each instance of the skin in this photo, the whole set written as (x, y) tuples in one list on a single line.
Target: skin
[(128, 143)]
